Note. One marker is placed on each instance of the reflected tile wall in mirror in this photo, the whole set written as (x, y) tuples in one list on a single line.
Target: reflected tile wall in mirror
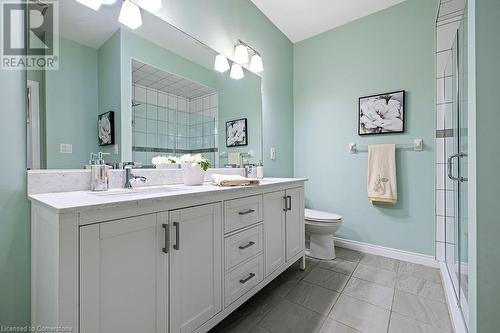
[(171, 116)]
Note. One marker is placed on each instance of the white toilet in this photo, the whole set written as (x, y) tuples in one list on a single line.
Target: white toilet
[(320, 227)]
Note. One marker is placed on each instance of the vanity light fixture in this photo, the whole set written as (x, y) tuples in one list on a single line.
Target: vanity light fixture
[(152, 6), (237, 72), (241, 54), (130, 15), (256, 64), (221, 63), (94, 4)]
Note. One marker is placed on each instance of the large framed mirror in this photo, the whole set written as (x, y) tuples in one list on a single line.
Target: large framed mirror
[(136, 94)]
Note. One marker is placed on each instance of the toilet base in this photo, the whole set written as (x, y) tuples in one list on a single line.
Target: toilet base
[(321, 246)]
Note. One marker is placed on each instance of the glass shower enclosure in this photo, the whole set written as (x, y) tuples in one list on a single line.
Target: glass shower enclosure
[(456, 150)]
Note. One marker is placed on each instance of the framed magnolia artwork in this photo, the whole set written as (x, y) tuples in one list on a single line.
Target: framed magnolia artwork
[(382, 114), (106, 129), (236, 133)]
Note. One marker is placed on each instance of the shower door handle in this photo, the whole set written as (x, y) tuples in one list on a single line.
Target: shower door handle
[(450, 167)]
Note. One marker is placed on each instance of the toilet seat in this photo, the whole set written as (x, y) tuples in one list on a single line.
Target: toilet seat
[(322, 224), (311, 215)]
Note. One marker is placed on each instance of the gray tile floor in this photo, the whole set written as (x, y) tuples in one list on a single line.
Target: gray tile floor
[(354, 293)]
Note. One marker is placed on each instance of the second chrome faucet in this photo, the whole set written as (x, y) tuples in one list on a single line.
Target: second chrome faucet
[(129, 177)]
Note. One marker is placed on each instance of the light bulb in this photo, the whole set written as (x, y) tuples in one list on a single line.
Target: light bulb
[(221, 63), (256, 64), (152, 6), (94, 4), (241, 54), (130, 15), (237, 72)]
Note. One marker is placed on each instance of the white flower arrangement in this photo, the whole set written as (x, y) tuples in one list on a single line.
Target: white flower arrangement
[(163, 161), (202, 161)]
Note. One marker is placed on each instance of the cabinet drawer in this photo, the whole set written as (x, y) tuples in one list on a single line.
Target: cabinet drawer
[(239, 213), (243, 278), (243, 246)]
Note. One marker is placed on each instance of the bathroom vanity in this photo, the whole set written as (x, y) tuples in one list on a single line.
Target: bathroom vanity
[(160, 259)]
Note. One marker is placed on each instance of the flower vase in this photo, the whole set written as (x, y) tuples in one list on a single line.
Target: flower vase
[(192, 174)]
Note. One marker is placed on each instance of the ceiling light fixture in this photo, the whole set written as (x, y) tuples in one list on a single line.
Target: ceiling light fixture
[(152, 6), (221, 63), (237, 72), (241, 54), (130, 15), (256, 64), (94, 4)]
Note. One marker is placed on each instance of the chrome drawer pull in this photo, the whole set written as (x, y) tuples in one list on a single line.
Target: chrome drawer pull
[(177, 244), (250, 211), (242, 247), (165, 249), (243, 281)]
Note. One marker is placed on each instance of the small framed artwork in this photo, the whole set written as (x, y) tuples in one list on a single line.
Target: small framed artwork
[(106, 129), (237, 133), (382, 114)]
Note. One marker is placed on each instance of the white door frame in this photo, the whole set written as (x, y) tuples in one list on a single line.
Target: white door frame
[(33, 125)]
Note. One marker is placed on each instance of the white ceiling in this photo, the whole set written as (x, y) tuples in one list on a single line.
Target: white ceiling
[(301, 19)]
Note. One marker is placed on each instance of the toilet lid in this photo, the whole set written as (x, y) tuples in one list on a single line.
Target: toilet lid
[(317, 215)]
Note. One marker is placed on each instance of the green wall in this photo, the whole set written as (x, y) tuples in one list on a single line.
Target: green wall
[(484, 162), (218, 23), (14, 208), (390, 50), (71, 105)]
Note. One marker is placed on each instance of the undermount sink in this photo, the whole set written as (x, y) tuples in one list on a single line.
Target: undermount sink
[(138, 191)]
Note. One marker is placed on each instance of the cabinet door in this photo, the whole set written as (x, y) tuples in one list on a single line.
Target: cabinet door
[(124, 276), (294, 222), (274, 230), (195, 266)]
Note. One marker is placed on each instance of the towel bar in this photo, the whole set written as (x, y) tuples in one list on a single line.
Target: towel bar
[(249, 154), (417, 145)]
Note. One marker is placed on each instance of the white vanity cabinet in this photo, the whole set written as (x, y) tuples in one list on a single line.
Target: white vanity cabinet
[(176, 263), (284, 227), (295, 231), (195, 266), (124, 276)]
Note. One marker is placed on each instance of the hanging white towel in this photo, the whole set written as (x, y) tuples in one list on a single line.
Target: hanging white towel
[(382, 185)]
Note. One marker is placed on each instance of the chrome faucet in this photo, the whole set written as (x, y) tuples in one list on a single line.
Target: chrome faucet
[(129, 177)]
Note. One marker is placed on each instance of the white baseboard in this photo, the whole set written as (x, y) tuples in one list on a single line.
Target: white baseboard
[(456, 316), (388, 252)]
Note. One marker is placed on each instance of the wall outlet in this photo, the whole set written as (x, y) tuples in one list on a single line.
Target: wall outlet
[(273, 153), (66, 148)]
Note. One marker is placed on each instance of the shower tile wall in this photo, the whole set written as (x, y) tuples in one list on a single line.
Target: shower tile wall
[(448, 20), (166, 124)]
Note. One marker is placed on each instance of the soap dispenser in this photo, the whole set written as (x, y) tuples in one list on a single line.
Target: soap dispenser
[(99, 174), (260, 170)]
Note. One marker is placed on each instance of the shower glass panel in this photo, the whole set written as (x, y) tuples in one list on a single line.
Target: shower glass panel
[(461, 144), (456, 155)]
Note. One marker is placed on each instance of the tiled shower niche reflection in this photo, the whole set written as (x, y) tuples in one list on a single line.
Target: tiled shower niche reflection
[(172, 116)]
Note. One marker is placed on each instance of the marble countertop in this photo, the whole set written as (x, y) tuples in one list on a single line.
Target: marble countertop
[(83, 200)]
